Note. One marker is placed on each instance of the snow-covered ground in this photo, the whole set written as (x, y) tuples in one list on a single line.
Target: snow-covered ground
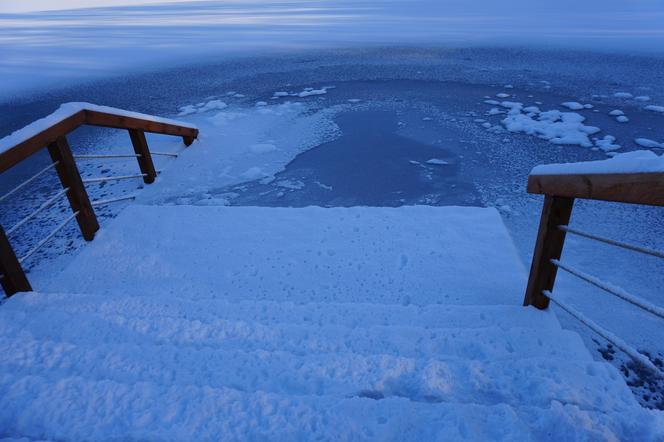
[(284, 323)]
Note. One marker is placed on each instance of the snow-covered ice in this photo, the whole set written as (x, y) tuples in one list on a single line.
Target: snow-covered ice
[(555, 126), (573, 105), (654, 108), (646, 142), (202, 107), (437, 162)]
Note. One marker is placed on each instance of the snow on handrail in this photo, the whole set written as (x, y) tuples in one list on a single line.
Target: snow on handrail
[(624, 245), (86, 157), (112, 200), (113, 178), (48, 203), (67, 110), (612, 289), (612, 338), (48, 238), (28, 181)]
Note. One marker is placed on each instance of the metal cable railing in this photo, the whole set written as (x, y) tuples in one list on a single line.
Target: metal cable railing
[(113, 178), (41, 243), (166, 154), (53, 138), (101, 156), (612, 289), (112, 200), (624, 245), (28, 181), (48, 203), (612, 338), (560, 193)]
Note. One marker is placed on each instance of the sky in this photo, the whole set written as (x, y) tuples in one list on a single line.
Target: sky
[(97, 41), (14, 6)]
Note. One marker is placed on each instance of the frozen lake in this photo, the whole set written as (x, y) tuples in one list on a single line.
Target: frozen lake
[(421, 123)]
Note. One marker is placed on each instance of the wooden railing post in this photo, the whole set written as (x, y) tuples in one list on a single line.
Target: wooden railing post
[(550, 241), (70, 177), (13, 278), (145, 159), (188, 139)]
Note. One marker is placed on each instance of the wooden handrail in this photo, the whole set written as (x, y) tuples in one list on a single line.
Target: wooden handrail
[(632, 188), (93, 116), (52, 133), (560, 192)]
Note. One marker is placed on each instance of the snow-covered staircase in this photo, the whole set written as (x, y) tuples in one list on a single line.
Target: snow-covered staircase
[(215, 323)]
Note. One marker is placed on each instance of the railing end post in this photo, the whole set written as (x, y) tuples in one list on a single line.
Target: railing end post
[(188, 140), (13, 278), (556, 211), (70, 177), (140, 144)]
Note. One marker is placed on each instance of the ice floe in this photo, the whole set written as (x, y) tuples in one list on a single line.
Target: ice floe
[(654, 108), (607, 144), (202, 107), (645, 142), (555, 126), (575, 105), (307, 92)]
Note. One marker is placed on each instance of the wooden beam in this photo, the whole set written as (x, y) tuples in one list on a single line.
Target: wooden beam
[(14, 155), (95, 118), (13, 279), (550, 241), (23, 150), (633, 188), (145, 159), (77, 195)]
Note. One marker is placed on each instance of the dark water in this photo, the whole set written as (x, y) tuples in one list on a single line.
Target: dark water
[(370, 164)]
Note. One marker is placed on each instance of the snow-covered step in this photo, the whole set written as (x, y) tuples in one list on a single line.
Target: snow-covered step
[(523, 382), (76, 408), (409, 255), (269, 312), (411, 341)]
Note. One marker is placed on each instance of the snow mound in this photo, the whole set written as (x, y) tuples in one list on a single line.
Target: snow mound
[(648, 143), (563, 128), (654, 108)]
